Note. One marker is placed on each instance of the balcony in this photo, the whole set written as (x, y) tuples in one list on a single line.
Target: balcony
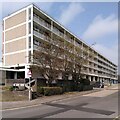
[(69, 39), (96, 62), (93, 67), (42, 36), (56, 31), (85, 71), (41, 22), (92, 72)]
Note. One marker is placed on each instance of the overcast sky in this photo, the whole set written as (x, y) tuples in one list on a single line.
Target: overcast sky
[(90, 21)]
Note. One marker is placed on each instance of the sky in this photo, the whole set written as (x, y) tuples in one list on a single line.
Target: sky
[(92, 22)]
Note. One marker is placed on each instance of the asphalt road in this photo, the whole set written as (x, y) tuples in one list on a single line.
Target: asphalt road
[(87, 106)]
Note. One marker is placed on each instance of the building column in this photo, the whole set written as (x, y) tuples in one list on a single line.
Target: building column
[(89, 78), (70, 77), (84, 76), (107, 81), (60, 76), (100, 79), (97, 79), (93, 78), (15, 75)]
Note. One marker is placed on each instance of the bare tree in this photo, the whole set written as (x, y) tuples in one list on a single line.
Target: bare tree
[(47, 60), (53, 57)]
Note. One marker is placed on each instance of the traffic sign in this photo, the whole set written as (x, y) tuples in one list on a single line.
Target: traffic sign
[(29, 73)]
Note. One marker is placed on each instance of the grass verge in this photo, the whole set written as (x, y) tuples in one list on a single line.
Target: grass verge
[(11, 96)]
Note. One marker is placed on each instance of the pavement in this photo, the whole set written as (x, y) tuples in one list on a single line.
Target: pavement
[(101, 92)]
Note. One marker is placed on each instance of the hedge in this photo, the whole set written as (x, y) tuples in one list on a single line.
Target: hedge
[(80, 87), (40, 90), (85, 81), (67, 85), (47, 91), (87, 87)]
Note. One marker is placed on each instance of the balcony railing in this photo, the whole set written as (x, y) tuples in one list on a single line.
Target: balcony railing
[(42, 22), (69, 39), (40, 35), (56, 31), (85, 71), (92, 72)]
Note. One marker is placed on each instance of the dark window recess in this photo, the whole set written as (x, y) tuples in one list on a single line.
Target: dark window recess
[(29, 56), (29, 13), (29, 42), (10, 75), (20, 75), (29, 27)]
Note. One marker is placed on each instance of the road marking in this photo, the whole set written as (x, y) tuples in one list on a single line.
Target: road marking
[(80, 107), (22, 107), (53, 101)]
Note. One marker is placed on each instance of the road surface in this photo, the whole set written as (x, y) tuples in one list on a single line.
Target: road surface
[(103, 104)]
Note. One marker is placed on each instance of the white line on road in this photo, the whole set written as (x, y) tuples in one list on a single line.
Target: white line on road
[(22, 107)]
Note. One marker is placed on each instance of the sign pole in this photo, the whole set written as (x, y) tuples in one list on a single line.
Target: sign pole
[(29, 90), (30, 94)]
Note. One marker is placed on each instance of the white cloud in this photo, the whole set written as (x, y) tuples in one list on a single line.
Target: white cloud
[(101, 27), (109, 52), (70, 13)]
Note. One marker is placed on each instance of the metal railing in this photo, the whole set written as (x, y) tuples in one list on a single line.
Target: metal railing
[(42, 22), (56, 31), (40, 35)]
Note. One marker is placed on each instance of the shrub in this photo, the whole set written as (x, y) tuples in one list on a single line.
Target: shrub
[(52, 90), (6, 87), (87, 87), (47, 91), (80, 87), (11, 88), (40, 90), (85, 81)]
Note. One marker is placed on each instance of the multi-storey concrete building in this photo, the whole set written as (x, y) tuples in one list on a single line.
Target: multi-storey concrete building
[(27, 28)]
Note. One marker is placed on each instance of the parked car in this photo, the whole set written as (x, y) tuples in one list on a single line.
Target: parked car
[(96, 84)]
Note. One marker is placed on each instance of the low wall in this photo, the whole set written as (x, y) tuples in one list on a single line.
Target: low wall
[(10, 82), (23, 93)]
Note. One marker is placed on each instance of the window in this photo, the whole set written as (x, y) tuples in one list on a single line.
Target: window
[(29, 27), (29, 13), (29, 42)]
